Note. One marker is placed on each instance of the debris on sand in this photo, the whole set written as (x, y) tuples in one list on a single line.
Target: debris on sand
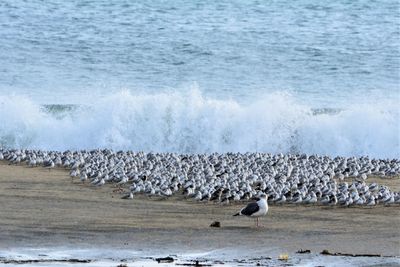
[(305, 251), (326, 252), (165, 260), (195, 263), (43, 261), (215, 224)]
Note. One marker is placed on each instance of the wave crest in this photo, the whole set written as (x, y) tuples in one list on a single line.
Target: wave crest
[(192, 123)]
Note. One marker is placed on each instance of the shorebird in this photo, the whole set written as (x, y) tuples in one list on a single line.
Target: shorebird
[(311, 199), (281, 200), (371, 201), (226, 177), (101, 182), (83, 177), (128, 196), (32, 162), (255, 209), (49, 165)]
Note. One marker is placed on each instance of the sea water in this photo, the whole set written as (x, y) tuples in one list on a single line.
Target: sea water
[(201, 77), (104, 257)]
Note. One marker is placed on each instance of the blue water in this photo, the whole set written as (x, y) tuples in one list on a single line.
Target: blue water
[(186, 76)]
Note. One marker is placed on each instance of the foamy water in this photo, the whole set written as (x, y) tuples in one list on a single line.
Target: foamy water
[(224, 257), (192, 123)]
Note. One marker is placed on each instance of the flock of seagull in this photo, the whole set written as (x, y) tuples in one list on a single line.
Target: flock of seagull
[(223, 178)]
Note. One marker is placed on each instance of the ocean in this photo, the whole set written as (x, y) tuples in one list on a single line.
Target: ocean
[(201, 77)]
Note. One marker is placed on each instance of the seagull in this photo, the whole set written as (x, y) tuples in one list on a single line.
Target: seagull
[(281, 200), (371, 201), (128, 196), (49, 165), (255, 209), (100, 183), (83, 177)]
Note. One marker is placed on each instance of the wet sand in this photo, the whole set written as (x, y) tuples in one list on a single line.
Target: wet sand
[(42, 208)]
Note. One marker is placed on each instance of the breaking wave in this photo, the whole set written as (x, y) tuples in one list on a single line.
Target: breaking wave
[(192, 123)]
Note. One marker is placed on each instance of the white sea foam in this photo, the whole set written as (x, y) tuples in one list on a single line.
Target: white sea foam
[(191, 122)]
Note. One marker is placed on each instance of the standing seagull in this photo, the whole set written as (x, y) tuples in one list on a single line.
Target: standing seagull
[(255, 209)]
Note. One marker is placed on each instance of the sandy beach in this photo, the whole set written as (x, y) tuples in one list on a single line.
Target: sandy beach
[(46, 209), (162, 133)]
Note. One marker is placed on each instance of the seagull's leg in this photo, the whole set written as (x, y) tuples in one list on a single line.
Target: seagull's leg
[(257, 222)]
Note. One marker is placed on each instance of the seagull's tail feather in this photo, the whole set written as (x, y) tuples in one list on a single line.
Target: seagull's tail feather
[(237, 214)]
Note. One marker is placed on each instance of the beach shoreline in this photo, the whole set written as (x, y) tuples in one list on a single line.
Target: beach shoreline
[(45, 209)]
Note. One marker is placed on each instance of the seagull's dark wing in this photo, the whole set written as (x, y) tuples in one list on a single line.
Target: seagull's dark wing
[(250, 209)]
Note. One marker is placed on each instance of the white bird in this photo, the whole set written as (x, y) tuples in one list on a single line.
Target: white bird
[(389, 200), (371, 201), (101, 182), (312, 198), (325, 200), (255, 209), (128, 196), (83, 177), (281, 200), (49, 165)]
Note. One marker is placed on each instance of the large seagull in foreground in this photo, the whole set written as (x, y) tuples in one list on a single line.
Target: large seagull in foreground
[(255, 209)]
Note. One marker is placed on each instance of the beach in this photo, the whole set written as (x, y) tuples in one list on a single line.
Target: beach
[(133, 134), (44, 208)]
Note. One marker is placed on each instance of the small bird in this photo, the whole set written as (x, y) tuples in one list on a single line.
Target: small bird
[(255, 209), (49, 165), (83, 177), (281, 200), (128, 196), (371, 201), (101, 182)]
